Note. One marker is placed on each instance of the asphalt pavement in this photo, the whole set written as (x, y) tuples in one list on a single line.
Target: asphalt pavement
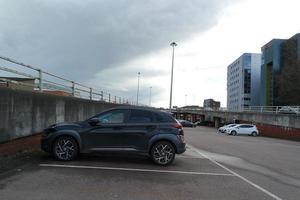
[(215, 166)]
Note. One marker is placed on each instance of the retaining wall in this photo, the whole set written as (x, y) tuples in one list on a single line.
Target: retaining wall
[(23, 113)]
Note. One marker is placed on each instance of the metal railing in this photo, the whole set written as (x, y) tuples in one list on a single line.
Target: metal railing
[(44, 81), (255, 109), (273, 109)]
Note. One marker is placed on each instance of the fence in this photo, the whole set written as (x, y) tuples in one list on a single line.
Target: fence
[(44, 81), (258, 109), (274, 109)]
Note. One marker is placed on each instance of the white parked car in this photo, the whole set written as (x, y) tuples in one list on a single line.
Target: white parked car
[(243, 129), (290, 110), (223, 128)]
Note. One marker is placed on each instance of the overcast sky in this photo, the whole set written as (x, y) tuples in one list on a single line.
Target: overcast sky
[(104, 44)]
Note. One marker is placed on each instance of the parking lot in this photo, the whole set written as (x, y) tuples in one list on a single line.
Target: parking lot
[(215, 166)]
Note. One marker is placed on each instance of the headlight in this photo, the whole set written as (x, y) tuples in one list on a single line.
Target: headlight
[(50, 129)]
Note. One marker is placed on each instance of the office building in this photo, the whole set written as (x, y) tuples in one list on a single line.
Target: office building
[(280, 72), (243, 82), (211, 104)]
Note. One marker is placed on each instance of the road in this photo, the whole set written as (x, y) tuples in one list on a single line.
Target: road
[(215, 166)]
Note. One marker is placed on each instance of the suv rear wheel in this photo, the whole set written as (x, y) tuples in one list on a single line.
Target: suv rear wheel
[(65, 148), (162, 153)]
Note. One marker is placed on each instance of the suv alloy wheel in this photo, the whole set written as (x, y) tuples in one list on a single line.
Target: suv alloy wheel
[(65, 148), (162, 153)]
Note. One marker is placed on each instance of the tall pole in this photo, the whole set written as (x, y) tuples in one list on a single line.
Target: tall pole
[(138, 89), (150, 97), (185, 99), (173, 44)]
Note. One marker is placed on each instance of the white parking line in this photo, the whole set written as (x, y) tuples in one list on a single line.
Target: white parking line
[(134, 169), (236, 174)]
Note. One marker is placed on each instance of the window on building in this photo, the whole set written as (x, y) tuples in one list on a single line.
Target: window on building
[(247, 81)]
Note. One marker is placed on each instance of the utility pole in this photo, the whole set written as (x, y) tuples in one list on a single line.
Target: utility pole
[(173, 44), (150, 96), (138, 89)]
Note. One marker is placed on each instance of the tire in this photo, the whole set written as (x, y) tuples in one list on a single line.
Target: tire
[(254, 133), (65, 148), (233, 133), (162, 153)]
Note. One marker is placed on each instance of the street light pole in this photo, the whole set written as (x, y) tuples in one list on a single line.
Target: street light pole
[(150, 97), (138, 89), (173, 44)]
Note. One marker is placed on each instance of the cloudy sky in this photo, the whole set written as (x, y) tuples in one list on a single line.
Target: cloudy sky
[(105, 43)]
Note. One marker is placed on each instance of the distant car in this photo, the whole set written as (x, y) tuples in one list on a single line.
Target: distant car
[(186, 123), (223, 128), (197, 123), (243, 129), (205, 123), (289, 110)]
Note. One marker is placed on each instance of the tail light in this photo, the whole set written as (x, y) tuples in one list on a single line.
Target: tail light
[(177, 125)]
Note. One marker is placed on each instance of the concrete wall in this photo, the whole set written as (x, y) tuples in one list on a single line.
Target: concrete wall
[(284, 120), (269, 124), (23, 113)]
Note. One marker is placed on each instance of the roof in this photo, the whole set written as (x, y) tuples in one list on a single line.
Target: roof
[(18, 78)]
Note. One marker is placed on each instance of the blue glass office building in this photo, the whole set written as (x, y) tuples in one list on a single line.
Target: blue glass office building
[(273, 59), (243, 82)]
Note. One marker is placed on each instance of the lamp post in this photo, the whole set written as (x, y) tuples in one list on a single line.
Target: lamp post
[(173, 44), (138, 89), (150, 96), (185, 99)]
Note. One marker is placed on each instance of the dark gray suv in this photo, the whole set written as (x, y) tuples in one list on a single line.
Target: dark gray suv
[(126, 129)]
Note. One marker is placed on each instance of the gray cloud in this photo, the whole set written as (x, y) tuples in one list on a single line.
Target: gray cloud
[(80, 38)]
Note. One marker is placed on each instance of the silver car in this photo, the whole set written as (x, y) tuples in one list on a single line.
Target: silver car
[(243, 129), (223, 128)]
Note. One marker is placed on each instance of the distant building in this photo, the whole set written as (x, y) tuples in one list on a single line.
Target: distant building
[(58, 93), (270, 67), (30, 85), (280, 84), (192, 107), (17, 83), (211, 104), (243, 82)]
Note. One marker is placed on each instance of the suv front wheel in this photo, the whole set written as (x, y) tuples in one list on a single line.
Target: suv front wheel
[(162, 153), (65, 148)]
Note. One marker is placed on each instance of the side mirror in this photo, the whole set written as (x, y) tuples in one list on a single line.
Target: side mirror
[(93, 121)]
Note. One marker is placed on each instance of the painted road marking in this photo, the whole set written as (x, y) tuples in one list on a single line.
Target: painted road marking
[(135, 169), (236, 174)]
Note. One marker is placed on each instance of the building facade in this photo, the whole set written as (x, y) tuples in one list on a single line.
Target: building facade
[(270, 68), (17, 83), (280, 72), (211, 104), (243, 82)]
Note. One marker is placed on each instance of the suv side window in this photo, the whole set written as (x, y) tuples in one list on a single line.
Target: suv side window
[(140, 116), (162, 118), (113, 117)]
